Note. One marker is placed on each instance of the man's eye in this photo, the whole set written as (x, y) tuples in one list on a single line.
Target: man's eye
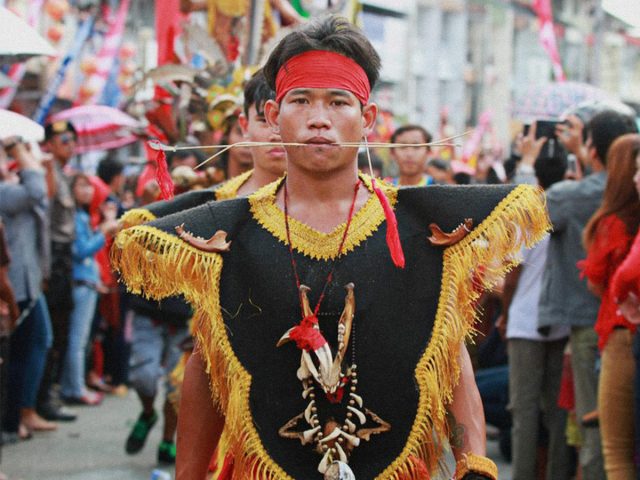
[(339, 103), (300, 100)]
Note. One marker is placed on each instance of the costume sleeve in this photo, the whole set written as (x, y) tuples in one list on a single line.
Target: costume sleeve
[(157, 264), (607, 250), (627, 276)]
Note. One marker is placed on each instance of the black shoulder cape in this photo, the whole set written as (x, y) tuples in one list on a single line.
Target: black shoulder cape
[(408, 324)]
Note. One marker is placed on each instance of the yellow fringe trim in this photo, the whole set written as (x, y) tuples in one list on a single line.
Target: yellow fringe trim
[(472, 265), (229, 189), (136, 216), (311, 242), (144, 255)]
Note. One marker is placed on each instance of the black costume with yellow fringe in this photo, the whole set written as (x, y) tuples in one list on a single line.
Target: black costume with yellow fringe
[(408, 323), (184, 201), (162, 208)]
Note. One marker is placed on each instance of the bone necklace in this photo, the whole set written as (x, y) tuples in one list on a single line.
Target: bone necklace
[(334, 441)]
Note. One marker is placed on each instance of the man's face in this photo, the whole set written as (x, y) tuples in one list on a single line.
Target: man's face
[(62, 146), (255, 128), (241, 155), (411, 160), (320, 117)]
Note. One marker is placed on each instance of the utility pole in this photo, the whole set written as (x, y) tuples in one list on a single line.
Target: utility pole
[(256, 20)]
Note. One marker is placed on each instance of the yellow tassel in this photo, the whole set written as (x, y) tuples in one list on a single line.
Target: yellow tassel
[(229, 189), (135, 216)]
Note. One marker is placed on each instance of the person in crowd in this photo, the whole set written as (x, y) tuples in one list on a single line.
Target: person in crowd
[(625, 290), (440, 170), (238, 160), (376, 164), (111, 172), (60, 142), (411, 160), (529, 148), (22, 208), (626, 281), (565, 299), (607, 238), (86, 280), (9, 313), (184, 158), (110, 303), (535, 358), (269, 164)]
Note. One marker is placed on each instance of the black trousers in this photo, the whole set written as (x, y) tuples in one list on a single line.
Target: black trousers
[(60, 301)]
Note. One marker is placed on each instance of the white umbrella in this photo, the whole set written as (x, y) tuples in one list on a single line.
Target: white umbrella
[(19, 41), (13, 124)]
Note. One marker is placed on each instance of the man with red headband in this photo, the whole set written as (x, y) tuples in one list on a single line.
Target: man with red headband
[(331, 310)]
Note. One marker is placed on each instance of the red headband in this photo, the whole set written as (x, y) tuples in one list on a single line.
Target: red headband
[(322, 69)]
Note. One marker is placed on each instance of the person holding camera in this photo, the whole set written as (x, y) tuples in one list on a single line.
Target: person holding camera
[(22, 209), (565, 299), (533, 392)]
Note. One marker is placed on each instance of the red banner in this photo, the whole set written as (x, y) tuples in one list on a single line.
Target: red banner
[(547, 36)]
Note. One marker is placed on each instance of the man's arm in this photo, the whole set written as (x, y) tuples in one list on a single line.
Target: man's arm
[(466, 415), (467, 428), (199, 422)]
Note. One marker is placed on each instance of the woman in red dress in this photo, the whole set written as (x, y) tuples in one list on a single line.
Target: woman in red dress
[(608, 238), (626, 291)]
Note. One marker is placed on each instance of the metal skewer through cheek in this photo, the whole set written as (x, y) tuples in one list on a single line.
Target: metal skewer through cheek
[(445, 142)]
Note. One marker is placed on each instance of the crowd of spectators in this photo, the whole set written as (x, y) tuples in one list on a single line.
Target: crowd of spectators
[(558, 366)]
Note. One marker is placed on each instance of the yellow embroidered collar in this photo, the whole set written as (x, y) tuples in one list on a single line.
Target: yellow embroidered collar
[(229, 189), (309, 241)]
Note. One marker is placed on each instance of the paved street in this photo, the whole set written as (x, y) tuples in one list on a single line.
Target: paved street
[(92, 448)]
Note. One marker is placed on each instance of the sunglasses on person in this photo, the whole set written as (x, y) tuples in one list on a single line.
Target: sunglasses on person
[(67, 138)]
